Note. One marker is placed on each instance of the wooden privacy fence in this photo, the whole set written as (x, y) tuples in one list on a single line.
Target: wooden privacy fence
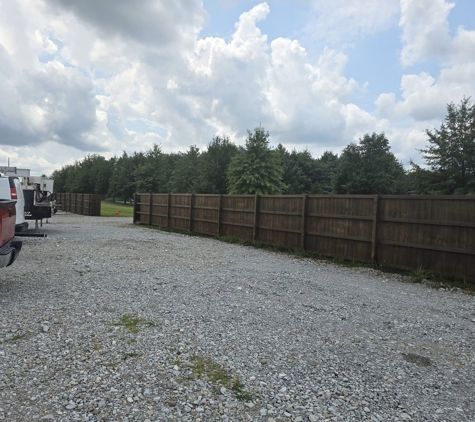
[(436, 233), (79, 203)]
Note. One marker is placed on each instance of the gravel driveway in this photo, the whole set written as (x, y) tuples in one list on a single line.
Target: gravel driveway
[(104, 321)]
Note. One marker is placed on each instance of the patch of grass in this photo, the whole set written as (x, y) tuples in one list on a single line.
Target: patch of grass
[(132, 323), (441, 281), (417, 359), (14, 338), (238, 388), (109, 209), (218, 376), (213, 371), (131, 355), (422, 274)]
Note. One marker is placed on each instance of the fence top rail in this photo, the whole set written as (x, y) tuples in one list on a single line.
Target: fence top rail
[(282, 196), (431, 197), (241, 196), (332, 196), (336, 196)]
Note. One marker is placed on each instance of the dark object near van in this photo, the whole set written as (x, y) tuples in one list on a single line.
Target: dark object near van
[(32, 211)]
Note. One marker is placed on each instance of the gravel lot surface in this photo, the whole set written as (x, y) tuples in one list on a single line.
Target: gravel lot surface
[(104, 321)]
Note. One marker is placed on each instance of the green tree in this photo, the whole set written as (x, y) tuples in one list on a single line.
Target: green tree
[(123, 183), (369, 168), (60, 178), (299, 171), (100, 175), (186, 176), (154, 173), (326, 168), (214, 163), (451, 151), (421, 180), (89, 175), (256, 169)]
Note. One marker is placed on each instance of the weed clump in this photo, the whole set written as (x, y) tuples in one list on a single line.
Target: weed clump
[(219, 377), (132, 323)]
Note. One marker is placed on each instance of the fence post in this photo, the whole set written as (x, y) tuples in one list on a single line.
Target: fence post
[(135, 208), (168, 209), (219, 214), (304, 219), (256, 217), (374, 237), (191, 212), (150, 210)]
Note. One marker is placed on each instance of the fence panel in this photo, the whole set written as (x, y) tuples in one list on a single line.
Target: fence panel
[(158, 207), (238, 216), (280, 220), (206, 214), (436, 233), (180, 209), (340, 226), (79, 203), (141, 208), (408, 232)]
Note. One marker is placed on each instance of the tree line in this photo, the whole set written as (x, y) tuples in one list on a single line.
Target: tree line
[(366, 167)]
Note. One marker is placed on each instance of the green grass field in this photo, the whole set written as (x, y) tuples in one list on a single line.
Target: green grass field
[(109, 209)]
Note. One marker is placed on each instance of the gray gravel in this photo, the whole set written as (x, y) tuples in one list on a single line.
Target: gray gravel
[(104, 321)]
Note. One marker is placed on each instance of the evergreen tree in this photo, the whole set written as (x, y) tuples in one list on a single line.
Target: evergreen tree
[(123, 182), (326, 168), (214, 164), (256, 169), (186, 176), (299, 171), (153, 174)]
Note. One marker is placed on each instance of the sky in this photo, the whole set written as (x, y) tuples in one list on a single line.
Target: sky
[(103, 77)]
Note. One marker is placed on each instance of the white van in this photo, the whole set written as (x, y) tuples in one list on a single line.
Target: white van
[(10, 188)]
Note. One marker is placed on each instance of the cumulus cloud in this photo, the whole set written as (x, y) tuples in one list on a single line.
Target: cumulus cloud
[(338, 21), (51, 102), (110, 78), (425, 30), (425, 35), (105, 76), (40, 101), (158, 23)]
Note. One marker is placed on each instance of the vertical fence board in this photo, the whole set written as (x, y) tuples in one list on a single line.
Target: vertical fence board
[(304, 219), (220, 206), (374, 236)]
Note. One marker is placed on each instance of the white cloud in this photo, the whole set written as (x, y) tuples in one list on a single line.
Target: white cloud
[(111, 87), (156, 23), (426, 36), (360, 122), (105, 76), (339, 21), (425, 29)]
